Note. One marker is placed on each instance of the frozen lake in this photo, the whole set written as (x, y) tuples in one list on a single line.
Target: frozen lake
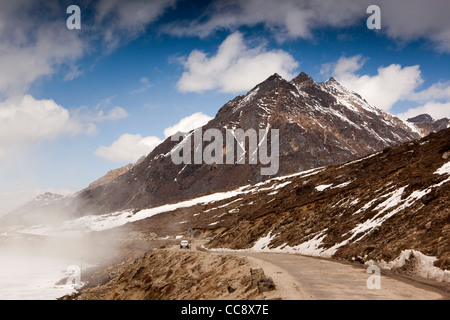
[(32, 267), (31, 277)]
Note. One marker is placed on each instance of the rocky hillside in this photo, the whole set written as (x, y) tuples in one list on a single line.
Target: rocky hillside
[(387, 206), (371, 209), (426, 124), (109, 176), (319, 124), (391, 208), (113, 174), (45, 209), (176, 275)]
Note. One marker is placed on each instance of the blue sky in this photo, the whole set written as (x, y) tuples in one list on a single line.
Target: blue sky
[(77, 103)]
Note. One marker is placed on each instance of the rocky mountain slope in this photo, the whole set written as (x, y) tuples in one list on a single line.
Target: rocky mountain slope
[(45, 209), (372, 209), (109, 176), (175, 275), (113, 174), (391, 207), (426, 124), (319, 124)]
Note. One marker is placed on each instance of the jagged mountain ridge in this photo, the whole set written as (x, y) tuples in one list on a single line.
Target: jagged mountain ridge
[(44, 209), (381, 207), (426, 124), (369, 209), (113, 174), (320, 124), (391, 208)]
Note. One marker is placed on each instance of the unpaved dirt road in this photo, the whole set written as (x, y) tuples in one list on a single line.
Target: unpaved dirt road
[(301, 277), (321, 279)]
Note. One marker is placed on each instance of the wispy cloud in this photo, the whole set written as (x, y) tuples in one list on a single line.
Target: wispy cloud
[(403, 20), (89, 117), (144, 86), (286, 18), (120, 21), (30, 47)]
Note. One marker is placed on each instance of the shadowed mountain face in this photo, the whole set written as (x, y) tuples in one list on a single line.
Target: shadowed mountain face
[(426, 124), (319, 124), (372, 208)]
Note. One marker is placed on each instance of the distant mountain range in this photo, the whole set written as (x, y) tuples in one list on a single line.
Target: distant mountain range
[(319, 124), (426, 124)]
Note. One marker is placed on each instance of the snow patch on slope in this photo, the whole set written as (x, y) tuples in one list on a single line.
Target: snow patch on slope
[(311, 247), (80, 226), (323, 187), (418, 263), (445, 169)]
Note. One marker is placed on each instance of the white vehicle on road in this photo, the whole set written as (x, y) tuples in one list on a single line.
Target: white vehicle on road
[(185, 244)]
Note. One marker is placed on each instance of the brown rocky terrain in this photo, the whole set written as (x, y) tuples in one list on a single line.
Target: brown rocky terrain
[(426, 124), (113, 174), (319, 124), (370, 209), (178, 275), (390, 205), (109, 176)]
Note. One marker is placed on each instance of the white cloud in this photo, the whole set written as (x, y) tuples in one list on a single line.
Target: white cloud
[(413, 19), (128, 148), (288, 18), (32, 47), (187, 124), (119, 20), (435, 100), (435, 109), (26, 121), (234, 68), (390, 85), (116, 113), (404, 20), (438, 91), (145, 85)]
